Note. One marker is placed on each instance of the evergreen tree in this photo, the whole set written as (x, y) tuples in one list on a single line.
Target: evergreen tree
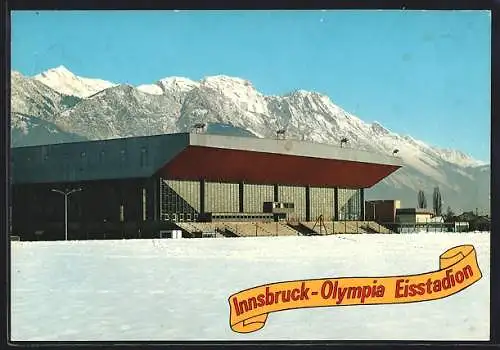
[(437, 202), (422, 202)]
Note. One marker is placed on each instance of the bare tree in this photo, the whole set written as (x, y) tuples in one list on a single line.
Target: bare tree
[(449, 216)]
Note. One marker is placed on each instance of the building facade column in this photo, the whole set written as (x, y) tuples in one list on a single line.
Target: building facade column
[(153, 201), (202, 196), (336, 204), (362, 204), (241, 187), (308, 203), (158, 199)]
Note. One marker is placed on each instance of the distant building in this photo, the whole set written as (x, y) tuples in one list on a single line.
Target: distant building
[(461, 226), (415, 220), (482, 223), (467, 216), (437, 219), (413, 215), (382, 211), (475, 222)]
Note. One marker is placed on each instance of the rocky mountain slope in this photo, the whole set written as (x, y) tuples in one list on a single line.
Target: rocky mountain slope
[(68, 107)]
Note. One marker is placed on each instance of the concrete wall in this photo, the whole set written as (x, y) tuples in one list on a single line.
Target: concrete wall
[(221, 197), (255, 195), (321, 203)]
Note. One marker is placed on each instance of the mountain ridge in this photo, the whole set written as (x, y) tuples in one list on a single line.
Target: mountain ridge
[(214, 81)]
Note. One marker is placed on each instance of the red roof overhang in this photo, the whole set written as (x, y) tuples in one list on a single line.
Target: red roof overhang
[(217, 164)]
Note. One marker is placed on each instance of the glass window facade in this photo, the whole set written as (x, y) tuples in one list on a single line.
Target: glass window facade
[(179, 198), (254, 197), (297, 196), (349, 204), (321, 203), (222, 197)]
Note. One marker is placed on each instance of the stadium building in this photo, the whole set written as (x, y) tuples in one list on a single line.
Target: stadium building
[(137, 187)]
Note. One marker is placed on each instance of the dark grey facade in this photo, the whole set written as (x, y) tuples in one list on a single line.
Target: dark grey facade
[(126, 158)]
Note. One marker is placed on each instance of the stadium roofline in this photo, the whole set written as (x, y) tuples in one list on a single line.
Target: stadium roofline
[(80, 161), (293, 148)]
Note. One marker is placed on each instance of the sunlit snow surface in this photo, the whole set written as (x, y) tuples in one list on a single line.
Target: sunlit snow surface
[(178, 289)]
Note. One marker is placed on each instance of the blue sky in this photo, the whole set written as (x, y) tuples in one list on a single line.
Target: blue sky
[(423, 73)]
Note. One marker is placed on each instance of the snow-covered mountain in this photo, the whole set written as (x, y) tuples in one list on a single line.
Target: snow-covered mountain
[(98, 110), (62, 80)]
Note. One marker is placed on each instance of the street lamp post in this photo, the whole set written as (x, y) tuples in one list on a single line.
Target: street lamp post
[(66, 194)]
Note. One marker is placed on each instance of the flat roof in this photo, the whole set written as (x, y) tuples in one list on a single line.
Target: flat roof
[(196, 156), (293, 148), (414, 211)]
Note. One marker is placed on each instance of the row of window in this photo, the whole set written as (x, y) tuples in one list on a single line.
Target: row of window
[(179, 217), (242, 216), (281, 205), (102, 156)]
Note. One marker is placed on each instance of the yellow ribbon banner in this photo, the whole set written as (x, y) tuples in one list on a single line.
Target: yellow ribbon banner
[(458, 269)]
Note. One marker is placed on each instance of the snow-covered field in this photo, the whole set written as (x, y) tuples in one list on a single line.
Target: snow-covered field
[(178, 289)]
